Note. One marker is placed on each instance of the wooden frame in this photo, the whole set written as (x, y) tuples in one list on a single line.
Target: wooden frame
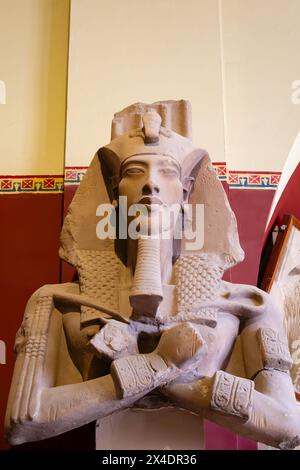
[(289, 221), (282, 280)]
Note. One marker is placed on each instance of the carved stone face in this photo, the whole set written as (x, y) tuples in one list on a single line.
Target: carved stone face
[(151, 180)]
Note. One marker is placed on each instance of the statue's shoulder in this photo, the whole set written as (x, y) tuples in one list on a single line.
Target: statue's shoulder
[(252, 304), (38, 311), (53, 289), (46, 293), (253, 294)]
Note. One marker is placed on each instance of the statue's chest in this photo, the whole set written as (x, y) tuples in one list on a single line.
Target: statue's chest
[(195, 280)]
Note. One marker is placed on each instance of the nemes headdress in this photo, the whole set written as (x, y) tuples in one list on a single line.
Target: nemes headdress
[(162, 128), (150, 139)]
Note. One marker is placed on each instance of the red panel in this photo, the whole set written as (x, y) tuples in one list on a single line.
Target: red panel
[(251, 208), (227, 274), (288, 202), (218, 438), (67, 271), (70, 190), (29, 258), (245, 444)]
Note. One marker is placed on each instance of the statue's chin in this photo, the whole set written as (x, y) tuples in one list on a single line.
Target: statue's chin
[(152, 226), (153, 208)]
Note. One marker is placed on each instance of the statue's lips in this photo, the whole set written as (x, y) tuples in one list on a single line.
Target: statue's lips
[(152, 203)]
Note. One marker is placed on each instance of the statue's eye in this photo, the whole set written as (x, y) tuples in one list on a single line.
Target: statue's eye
[(169, 171), (133, 171)]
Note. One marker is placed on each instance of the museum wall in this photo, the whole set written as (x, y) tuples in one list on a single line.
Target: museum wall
[(33, 67), (234, 60), (34, 41)]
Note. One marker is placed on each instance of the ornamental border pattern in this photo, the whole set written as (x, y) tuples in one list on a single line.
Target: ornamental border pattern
[(32, 184), (235, 179), (253, 180), (45, 184), (74, 174)]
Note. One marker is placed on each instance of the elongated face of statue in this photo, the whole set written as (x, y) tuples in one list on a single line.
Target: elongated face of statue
[(153, 182)]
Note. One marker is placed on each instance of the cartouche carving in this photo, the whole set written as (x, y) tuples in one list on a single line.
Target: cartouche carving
[(274, 349), (232, 395)]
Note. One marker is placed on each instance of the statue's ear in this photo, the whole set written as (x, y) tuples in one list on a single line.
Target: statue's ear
[(188, 186)]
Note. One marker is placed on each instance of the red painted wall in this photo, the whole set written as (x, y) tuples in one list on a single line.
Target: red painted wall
[(30, 226), (251, 208), (289, 202)]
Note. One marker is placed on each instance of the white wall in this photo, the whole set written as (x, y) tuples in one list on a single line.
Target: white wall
[(235, 60), (261, 56), (135, 50)]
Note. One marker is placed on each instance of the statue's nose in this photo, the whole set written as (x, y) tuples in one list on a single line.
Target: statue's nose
[(150, 188)]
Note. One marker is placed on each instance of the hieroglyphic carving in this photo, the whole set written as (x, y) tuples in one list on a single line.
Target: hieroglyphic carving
[(232, 395), (133, 374), (274, 349)]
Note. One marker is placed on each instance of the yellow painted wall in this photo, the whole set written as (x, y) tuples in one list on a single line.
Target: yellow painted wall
[(33, 66), (235, 60)]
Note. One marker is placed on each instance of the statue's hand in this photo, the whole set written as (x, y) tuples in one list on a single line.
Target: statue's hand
[(114, 340), (181, 346), (178, 348)]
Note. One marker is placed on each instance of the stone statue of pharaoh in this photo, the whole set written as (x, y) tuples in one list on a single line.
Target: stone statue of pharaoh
[(150, 320)]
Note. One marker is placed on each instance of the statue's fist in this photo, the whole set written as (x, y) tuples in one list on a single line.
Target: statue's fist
[(181, 345), (178, 347)]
